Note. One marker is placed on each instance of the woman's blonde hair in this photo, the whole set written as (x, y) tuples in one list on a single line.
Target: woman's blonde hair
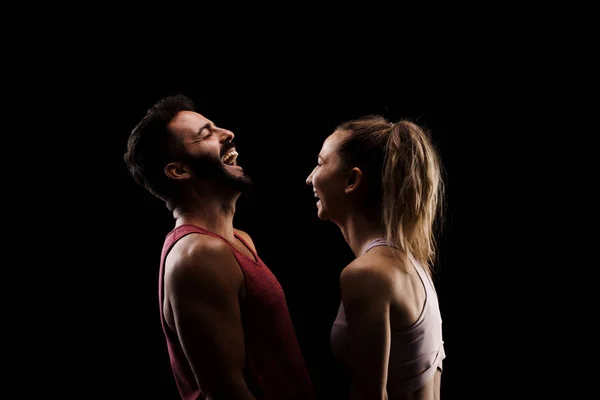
[(404, 176)]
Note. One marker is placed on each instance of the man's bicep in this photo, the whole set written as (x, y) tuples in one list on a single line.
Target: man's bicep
[(204, 301), (212, 339)]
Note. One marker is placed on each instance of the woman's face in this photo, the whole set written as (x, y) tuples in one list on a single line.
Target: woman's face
[(328, 180)]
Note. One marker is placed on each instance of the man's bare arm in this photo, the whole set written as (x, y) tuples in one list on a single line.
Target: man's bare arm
[(202, 286)]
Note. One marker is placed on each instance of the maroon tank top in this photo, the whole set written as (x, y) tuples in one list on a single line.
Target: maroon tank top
[(275, 368)]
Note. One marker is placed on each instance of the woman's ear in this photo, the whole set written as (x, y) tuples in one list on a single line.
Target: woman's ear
[(353, 180)]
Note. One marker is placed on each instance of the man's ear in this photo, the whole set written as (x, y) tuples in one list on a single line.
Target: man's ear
[(177, 170), (353, 180)]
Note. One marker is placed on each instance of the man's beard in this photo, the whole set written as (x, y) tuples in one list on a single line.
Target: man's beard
[(212, 169)]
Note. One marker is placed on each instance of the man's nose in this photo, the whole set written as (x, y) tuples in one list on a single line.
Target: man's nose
[(226, 135)]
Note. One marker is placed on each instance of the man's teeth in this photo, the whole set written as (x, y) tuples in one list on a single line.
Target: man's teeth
[(230, 157)]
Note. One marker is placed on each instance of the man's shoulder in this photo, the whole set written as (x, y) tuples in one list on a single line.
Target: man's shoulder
[(201, 268), (198, 244), (198, 255), (246, 238)]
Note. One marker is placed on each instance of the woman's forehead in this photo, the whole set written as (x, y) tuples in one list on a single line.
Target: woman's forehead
[(330, 144)]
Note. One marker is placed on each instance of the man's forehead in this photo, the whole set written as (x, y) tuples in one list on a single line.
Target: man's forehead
[(188, 122)]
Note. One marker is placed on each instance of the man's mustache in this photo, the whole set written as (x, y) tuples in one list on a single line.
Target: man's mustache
[(226, 147)]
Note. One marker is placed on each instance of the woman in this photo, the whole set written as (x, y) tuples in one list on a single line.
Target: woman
[(381, 184)]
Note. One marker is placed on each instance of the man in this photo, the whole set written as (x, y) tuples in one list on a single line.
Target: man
[(224, 314)]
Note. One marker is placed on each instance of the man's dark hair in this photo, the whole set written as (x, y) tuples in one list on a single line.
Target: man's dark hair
[(151, 146)]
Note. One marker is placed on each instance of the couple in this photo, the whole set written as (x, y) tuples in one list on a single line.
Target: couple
[(224, 314)]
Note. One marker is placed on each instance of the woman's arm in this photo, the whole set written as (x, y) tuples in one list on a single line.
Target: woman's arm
[(366, 296)]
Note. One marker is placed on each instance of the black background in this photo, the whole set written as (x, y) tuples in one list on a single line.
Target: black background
[(83, 317)]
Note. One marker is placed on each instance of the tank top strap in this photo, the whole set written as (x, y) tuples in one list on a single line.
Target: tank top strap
[(375, 243)]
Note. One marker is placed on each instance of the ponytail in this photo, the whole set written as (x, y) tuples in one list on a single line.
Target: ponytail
[(412, 192)]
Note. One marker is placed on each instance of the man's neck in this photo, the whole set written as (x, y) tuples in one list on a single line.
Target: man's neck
[(213, 215)]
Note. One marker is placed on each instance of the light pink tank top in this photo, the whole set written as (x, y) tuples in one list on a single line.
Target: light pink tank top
[(416, 352)]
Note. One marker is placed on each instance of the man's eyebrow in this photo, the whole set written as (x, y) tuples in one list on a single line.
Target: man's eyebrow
[(203, 127)]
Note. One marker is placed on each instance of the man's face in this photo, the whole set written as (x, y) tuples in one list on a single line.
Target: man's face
[(211, 153)]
